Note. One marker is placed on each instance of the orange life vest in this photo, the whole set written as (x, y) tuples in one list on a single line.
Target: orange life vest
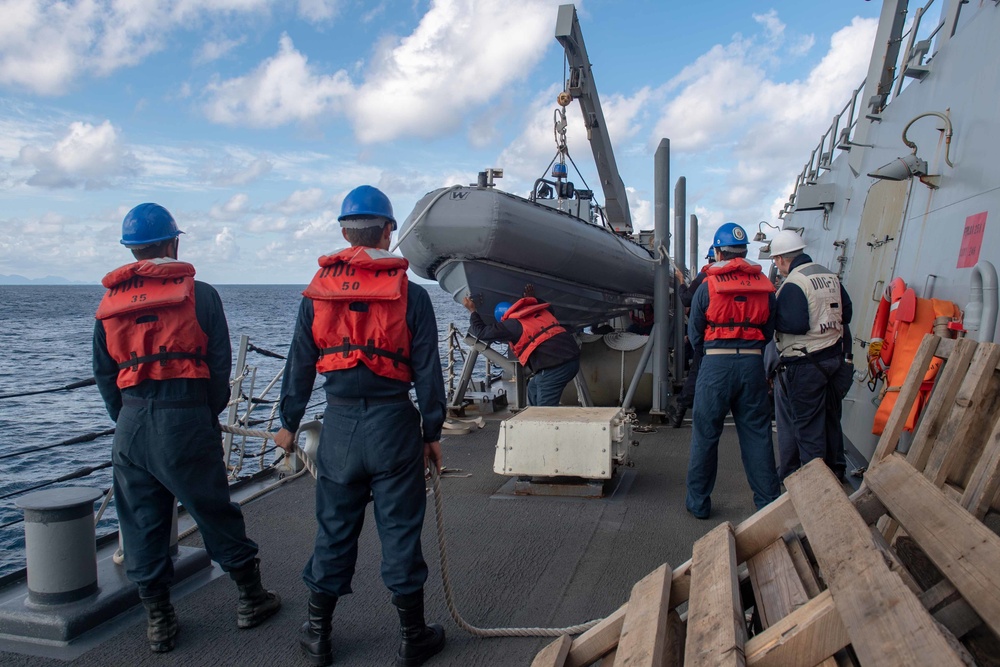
[(359, 302), (885, 324), (738, 305), (150, 323), (907, 337), (538, 325)]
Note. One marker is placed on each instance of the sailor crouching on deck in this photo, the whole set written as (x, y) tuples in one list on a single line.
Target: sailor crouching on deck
[(372, 335), (812, 335), (732, 315), (162, 362), (540, 343)]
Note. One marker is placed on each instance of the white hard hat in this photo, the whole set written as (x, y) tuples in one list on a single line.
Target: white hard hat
[(786, 241)]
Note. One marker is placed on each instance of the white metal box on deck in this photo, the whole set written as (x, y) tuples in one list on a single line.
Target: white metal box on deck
[(563, 442)]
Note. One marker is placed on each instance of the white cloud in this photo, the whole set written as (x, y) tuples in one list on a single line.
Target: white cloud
[(88, 155), (727, 100), (283, 89), (318, 11), (214, 49), (47, 47), (235, 170), (232, 208), (302, 201), (461, 54)]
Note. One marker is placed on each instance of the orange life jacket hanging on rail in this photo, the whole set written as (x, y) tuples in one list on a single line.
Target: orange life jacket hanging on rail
[(359, 301), (909, 320), (150, 323)]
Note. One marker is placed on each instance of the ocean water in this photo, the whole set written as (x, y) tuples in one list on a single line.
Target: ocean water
[(46, 335)]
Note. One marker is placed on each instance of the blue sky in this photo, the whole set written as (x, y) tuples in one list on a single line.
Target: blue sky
[(251, 119)]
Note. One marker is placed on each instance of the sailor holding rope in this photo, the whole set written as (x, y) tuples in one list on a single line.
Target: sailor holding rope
[(373, 335)]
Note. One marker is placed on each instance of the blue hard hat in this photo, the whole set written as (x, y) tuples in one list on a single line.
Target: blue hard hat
[(711, 253), (501, 309), (366, 201), (730, 234), (147, 224)]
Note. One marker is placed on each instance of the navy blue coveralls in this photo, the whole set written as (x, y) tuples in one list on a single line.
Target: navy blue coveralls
[(729, 382), (168, 444), (371, 447), (554, 363), (807, 409)]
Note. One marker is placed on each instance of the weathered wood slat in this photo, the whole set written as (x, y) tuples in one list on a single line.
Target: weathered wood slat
[(886, 623), (954, 446), (907, 396), (802, 565), (763, 528), (597, 641), (716, 634), (935, 414), (985, 479), (553, 655), (966, 551), (777, 589), (807, 637), (644, 633)]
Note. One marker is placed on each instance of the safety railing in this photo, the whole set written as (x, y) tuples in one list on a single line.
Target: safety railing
[(922, 44)]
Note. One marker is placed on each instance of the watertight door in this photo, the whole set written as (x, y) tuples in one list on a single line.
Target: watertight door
[(874, 257)]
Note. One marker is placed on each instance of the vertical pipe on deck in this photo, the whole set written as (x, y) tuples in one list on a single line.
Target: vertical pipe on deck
[(661, 280), (680, 216), (695, 255)]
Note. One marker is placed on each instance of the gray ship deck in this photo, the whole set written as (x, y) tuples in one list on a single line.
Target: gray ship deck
[(515, 561)]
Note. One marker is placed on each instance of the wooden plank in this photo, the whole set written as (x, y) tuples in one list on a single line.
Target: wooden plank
[(890, 558), (609, 659), (885, 621), (942, 399), (644, 634), (807, 637), (966, 551), (553, 655), (716, 632), (804, 568), (597, 641), (907, 396), (764, 527), (954, 446), (777, 588), (985, 479), (676, 634)]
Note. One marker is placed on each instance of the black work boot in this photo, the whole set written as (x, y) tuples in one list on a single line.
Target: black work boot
[(419, 641), (161, 629), (314, 637), (677, 419), (256, 604)]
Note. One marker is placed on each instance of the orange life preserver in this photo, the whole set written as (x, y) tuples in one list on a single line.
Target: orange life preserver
[(150, 323), (738, 306), (909, 331), (538, 325), (359, 302), (883, 335)]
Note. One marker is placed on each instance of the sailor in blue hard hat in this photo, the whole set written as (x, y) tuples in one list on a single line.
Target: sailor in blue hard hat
[(373, 336), (162, 363), (732, 315)]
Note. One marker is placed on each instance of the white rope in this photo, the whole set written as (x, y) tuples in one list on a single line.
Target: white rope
[(450, 598), (445, 576)]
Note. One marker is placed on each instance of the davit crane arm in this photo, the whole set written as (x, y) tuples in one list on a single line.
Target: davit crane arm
[(581, 86)]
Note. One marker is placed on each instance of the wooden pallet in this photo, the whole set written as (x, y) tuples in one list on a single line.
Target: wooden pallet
[(825, 577)]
